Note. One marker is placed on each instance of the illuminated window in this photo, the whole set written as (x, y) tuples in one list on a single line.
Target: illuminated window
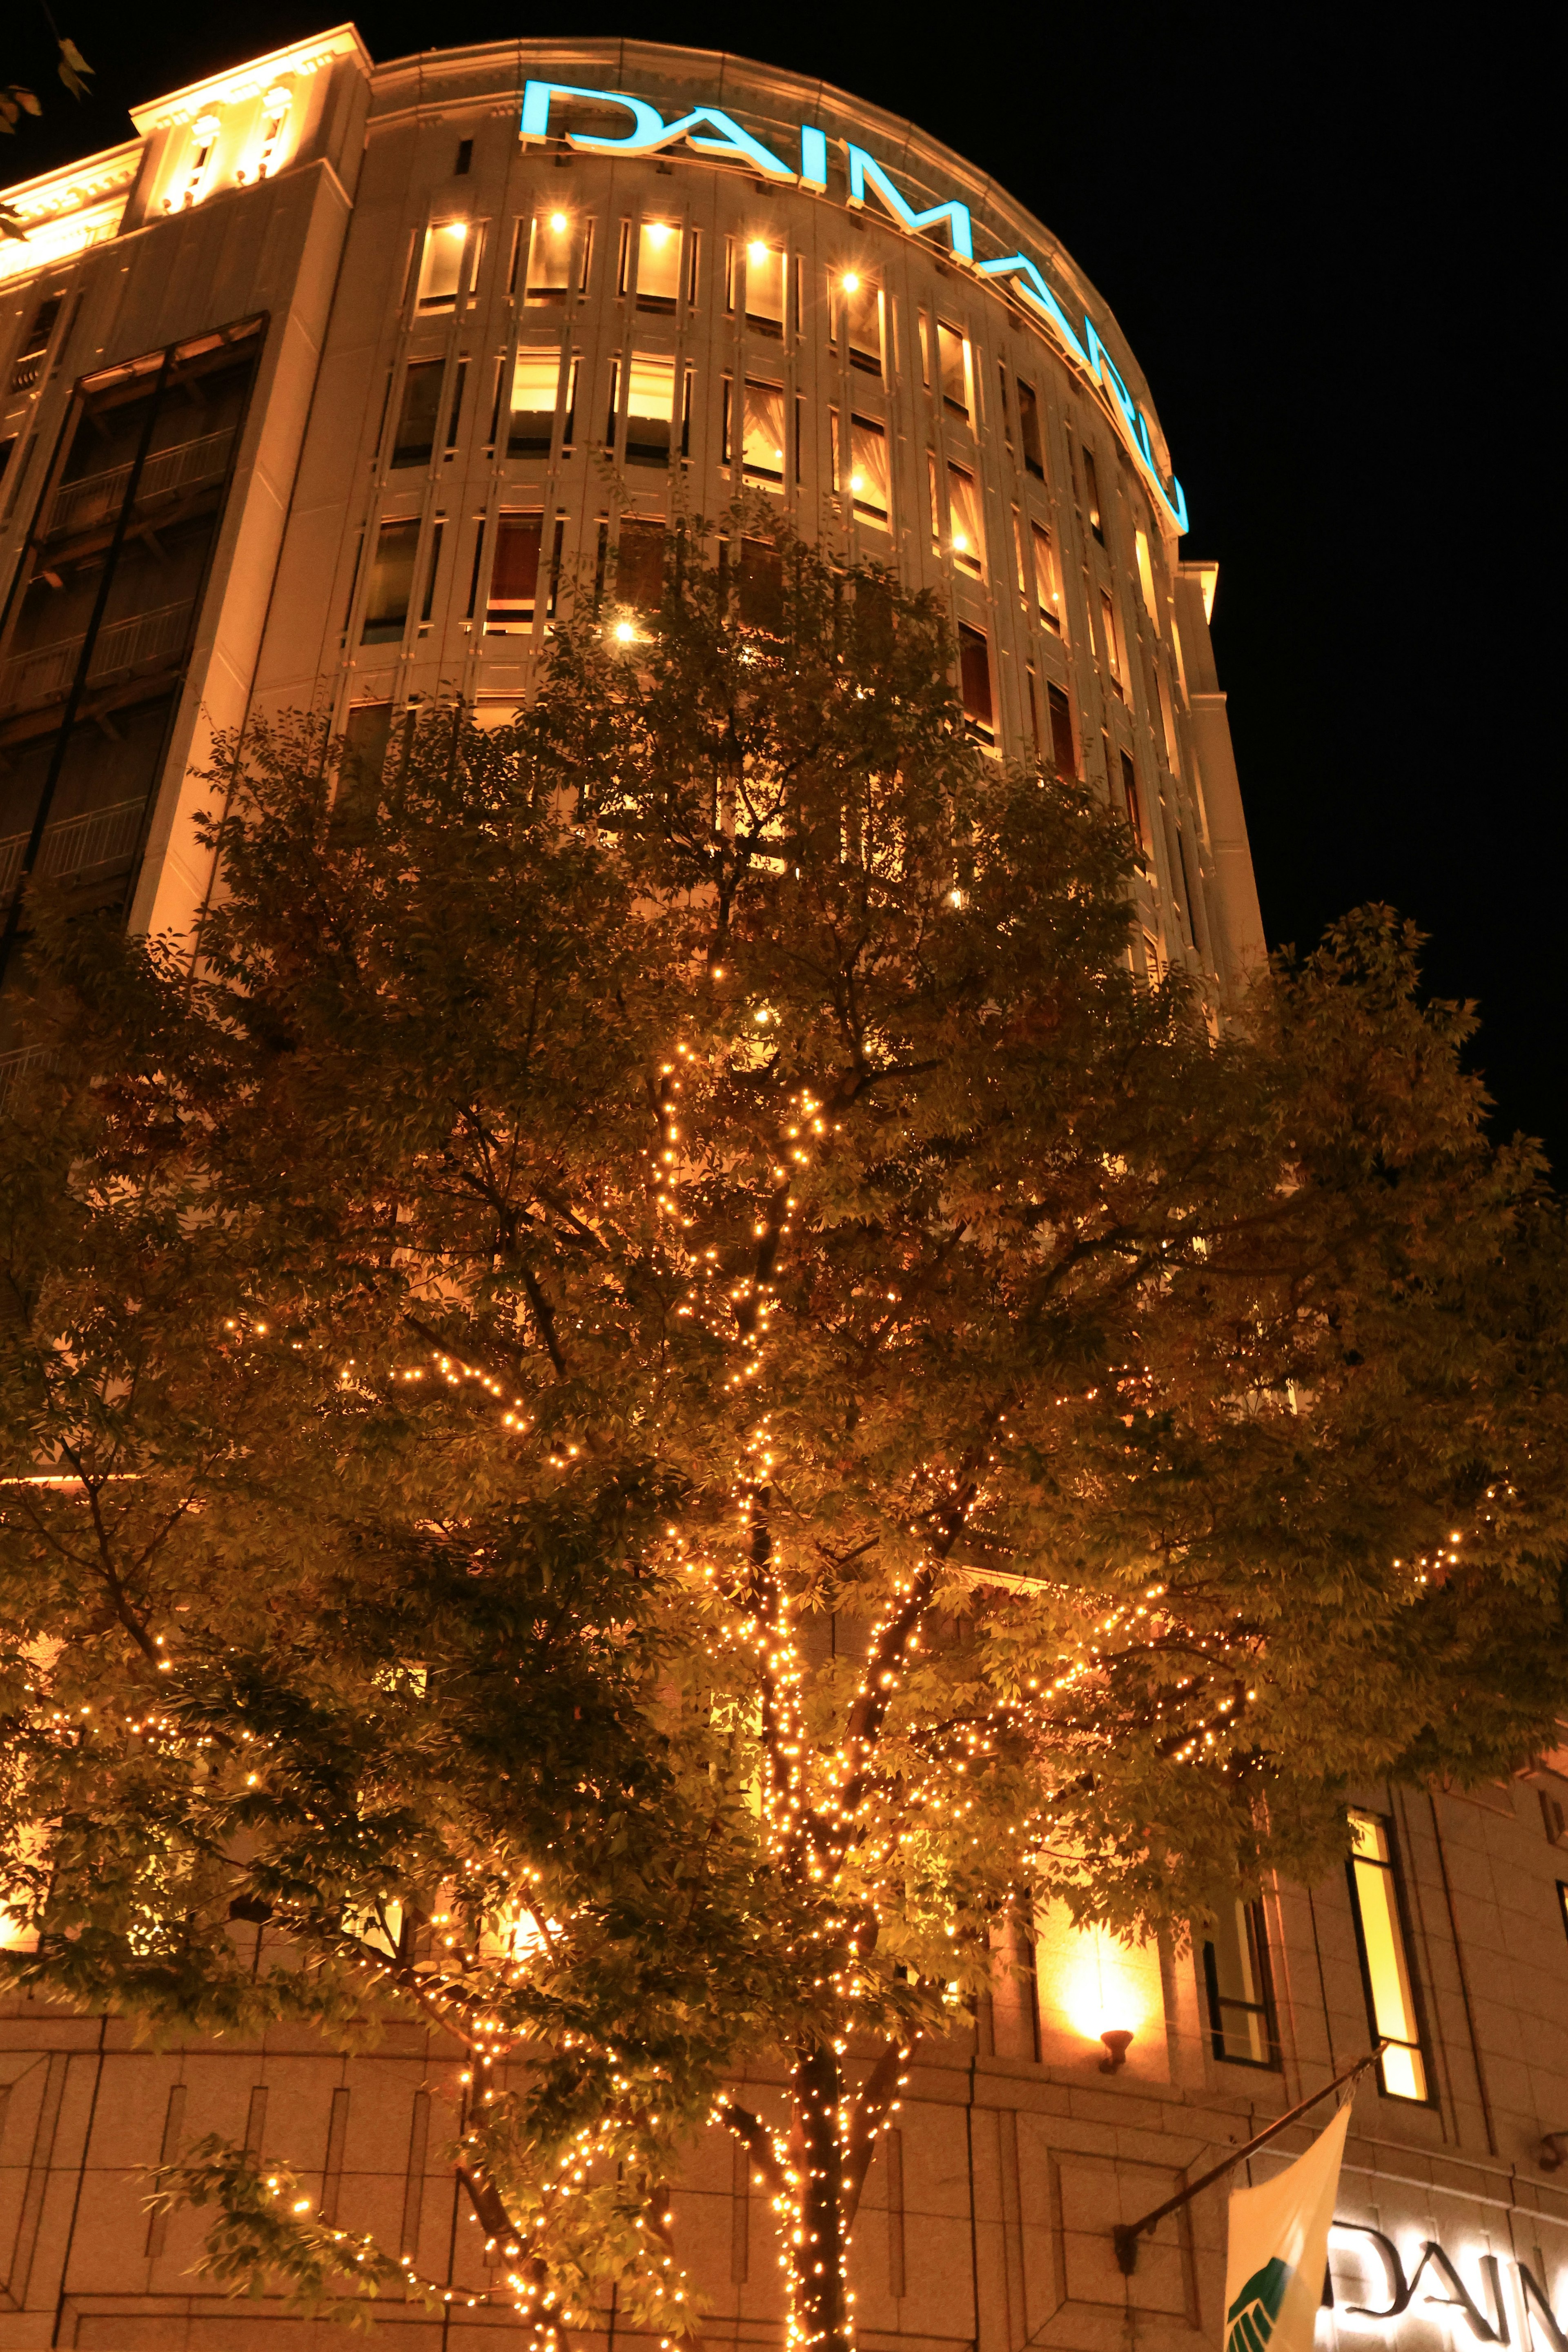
[(975, 683), (763, 445), (639, 563), (868, 468), (1091, 491), (191, 182), (391, 583), (650, 409), (274, 120), (1562, 1903), (856, 315), (1113, 642), (1048, 584), (441, 264), (925, 351), (658, 266), (1029, 430), (514, 575), (1385, 1971), (965, 522), (1146, 576), (1240, 1995), (764, 288), (549, 258), (956, 366), (535, 384), (1064, 758)]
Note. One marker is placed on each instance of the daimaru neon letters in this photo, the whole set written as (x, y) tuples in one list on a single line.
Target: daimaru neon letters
[(708, 130)]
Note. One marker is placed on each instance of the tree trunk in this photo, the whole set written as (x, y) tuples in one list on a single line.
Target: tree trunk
[(820, 2294)]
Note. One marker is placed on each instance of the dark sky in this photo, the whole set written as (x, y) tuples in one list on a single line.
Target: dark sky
[(1324, 232)]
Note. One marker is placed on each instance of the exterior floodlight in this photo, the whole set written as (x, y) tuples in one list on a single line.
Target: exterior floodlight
[(1117, 2040)]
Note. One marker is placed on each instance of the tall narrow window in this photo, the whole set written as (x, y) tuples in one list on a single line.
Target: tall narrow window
[(514, 575), (1146, 576), (868, 468), (549, 258), (966, 521), (650, 409), (762, 451), (416, 419), (1006, 412), (956, 364), (1029, 430), (934, 496), (612, 414), (1064, 758), (431, 569), (639, 563), (391, 583), (535, 383), (658, 267), (1113, 642), (441, 264), (975, 683), (764, 288), (1240, 1992), (1048, 584), (1091, 491), (857, 315), (459, 381), (1385, 1969), (925, 350), (1130, 798)]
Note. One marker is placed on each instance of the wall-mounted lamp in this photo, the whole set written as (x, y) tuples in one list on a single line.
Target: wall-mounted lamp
[(1553, 2151), (1116, 2040)]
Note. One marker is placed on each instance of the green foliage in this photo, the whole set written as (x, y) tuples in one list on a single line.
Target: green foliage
[(666, 1383)]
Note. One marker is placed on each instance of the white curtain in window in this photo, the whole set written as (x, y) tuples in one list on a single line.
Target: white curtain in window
[(658, 262), (868, 468), (535, 380), (967, 525), (441, 265)]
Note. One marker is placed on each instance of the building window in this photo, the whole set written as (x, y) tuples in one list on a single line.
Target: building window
[(1130, 798), (1240, 1994), (762, 448), (760, 581), (461, 168), (1091, 491), (1563, 1904), (650, 409), (868, 468), (1047, 583), (975, 683), (441, 265), (956, 365), (856, 316), (417, 417), (1029, 430), (658, 267), (764, 288), (549, 258), (1064, 758), (1113, 642), (965, 522), (29, 361), (514, 575), (639, 565), (535, 384), (391, 583), (1146, 576), (1554, 1817), (1385, 1968)]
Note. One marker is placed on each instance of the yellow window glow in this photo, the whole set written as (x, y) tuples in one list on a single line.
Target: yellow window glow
[(1382, 1941)]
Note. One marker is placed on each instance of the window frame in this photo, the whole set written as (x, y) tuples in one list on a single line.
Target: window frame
[(1421, 2045), (1257, 1923)]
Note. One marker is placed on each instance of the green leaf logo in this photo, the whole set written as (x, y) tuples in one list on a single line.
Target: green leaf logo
[(1249, 2321)]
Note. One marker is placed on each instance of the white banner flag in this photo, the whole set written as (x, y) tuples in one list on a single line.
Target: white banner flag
[(1278, 2245)]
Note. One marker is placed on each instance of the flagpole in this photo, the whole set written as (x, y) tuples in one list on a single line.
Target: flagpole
[(1126, 2234)]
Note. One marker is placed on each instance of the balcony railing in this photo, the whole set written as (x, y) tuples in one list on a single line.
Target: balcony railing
[(186, 466), (104, 837), (46, 673)]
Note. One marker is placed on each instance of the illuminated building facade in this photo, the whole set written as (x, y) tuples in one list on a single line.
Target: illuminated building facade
[(333, 389)]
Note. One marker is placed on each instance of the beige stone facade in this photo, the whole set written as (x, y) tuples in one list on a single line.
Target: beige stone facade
[(330, 391)]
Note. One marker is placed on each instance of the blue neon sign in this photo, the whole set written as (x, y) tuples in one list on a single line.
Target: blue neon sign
[(708, 130)]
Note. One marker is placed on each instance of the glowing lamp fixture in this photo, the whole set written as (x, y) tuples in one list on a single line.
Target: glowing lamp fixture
[(658, 233), (1117, 2040), (757, 251), (850, 283), (625, 632), (558, 222)]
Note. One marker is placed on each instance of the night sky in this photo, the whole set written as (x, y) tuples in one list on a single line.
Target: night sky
[(1324, 232)]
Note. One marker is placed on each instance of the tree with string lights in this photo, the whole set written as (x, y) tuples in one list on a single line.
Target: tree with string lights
[(665, 1395)]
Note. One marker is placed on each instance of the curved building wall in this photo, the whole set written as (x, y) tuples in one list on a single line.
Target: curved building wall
[(296, 410)]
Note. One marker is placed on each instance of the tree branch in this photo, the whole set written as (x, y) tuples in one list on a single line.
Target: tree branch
[(750, 2129)]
